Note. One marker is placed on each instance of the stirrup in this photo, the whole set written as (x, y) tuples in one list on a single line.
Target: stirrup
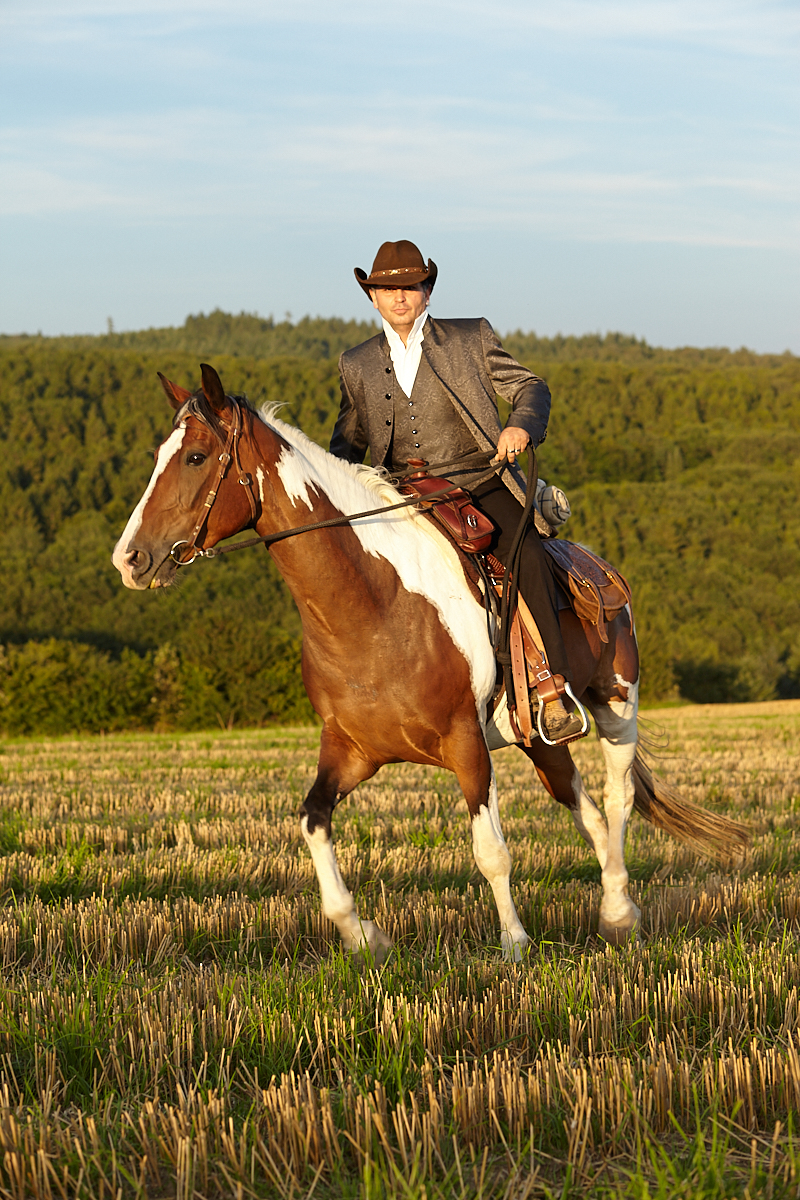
[(573, 737)]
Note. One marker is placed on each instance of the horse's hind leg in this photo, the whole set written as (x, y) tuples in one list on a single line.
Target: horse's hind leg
[(339, 770), (619, 916), (616, 728), (562, 779), (470, 759)]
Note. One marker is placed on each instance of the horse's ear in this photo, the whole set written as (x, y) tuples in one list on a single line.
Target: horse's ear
[(212, 386), (176, 395)]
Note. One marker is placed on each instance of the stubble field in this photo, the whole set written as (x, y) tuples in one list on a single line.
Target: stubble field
[(177, 1019)]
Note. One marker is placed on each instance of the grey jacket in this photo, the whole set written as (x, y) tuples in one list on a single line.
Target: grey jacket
[(472, 366)]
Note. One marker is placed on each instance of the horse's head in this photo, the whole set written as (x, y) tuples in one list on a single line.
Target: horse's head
[(192, 500)]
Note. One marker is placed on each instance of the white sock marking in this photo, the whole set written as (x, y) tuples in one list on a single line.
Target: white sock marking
[(618, 743), (337, 901), (589, 820), (494, 863)]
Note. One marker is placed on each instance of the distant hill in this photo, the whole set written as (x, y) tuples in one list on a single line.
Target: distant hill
[(248, 335), (244, 335)]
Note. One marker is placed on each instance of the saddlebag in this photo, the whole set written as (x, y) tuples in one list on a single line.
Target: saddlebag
[(598, 592), (469, 528)]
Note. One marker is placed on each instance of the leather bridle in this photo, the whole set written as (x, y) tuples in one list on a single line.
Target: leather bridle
[(228, 455)]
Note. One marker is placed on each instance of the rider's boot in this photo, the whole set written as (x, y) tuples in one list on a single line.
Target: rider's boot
[(558, 723)]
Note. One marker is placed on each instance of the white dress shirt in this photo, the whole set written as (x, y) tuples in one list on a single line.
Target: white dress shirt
[(405, 359)]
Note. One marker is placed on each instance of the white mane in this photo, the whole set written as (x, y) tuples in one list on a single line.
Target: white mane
[(377, 488)]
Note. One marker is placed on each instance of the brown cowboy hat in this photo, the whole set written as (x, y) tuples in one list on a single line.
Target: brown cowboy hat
[(397, 264)]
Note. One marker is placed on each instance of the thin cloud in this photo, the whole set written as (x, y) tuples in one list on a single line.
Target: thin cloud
[(318, 174), (748, 27), (31, 191)]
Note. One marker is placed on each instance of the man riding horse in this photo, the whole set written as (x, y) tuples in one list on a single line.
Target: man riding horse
[(426, 389)]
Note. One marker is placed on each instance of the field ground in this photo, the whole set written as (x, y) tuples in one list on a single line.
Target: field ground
[(176, 1018)]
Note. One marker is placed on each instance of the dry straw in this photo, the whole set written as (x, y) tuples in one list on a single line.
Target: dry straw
[(177, 1020)]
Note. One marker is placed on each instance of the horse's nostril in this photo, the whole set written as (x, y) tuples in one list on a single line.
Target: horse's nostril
[(137, 561)]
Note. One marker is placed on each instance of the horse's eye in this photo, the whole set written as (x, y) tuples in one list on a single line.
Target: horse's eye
[(196, 459)]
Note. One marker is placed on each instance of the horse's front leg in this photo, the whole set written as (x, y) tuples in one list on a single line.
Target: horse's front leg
[(339, 770), (470, 759)]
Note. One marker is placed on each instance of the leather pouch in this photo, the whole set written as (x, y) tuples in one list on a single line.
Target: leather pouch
[(471, 530)]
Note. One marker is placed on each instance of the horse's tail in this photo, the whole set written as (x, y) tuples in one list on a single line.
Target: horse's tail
[(665, 808)]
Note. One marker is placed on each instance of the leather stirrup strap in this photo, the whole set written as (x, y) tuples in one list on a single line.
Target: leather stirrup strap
[(544, 681), (519, 705), (524, 627)]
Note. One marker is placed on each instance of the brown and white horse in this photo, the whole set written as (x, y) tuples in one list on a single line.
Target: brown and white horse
[(397, 660)]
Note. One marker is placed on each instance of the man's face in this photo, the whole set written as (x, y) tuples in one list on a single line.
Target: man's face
[(400, 306)]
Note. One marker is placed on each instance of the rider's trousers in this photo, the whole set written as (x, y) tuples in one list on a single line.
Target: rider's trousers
[(536, 581)]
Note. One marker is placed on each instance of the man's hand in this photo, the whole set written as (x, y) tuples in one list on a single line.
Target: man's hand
[(511, 443)]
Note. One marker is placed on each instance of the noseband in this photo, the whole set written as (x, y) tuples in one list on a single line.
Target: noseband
[(231, 452)]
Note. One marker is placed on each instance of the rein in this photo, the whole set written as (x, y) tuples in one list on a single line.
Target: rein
[(232, 451)]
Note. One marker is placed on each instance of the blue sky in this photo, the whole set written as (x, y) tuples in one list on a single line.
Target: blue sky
[(571, 167)]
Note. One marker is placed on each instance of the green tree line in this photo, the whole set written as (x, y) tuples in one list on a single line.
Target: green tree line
[(681, 467)]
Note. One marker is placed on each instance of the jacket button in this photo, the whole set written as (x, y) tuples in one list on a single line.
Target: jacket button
[(416, 445), (388, 422), (388, 370), (388, 395)]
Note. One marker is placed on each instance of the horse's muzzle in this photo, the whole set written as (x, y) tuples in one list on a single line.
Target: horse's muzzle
[(140, 569)]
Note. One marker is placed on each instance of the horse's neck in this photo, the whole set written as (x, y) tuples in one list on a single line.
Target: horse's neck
[(291, 485), (293, 490)]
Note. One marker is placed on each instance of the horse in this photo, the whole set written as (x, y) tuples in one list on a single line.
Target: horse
[(397, 659)]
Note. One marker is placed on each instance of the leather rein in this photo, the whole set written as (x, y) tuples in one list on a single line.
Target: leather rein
[(231, 454)]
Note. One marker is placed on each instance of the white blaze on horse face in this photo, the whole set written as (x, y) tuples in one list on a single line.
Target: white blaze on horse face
[(427, 564), (166, 453)]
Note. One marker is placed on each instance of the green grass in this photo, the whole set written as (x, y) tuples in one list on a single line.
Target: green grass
[(178, 1019)]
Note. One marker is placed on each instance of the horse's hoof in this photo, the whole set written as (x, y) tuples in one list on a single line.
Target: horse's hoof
[(515, 949), (623, 930), (374, 947)]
